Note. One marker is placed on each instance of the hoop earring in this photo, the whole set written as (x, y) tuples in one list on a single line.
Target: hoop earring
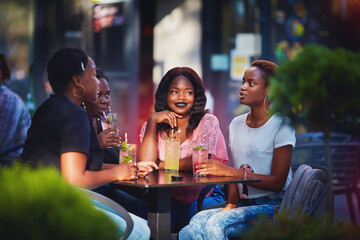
[(74, 91), (267, 97)]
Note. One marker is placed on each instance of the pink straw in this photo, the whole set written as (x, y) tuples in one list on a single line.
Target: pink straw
[(126, 137), (203, 140)]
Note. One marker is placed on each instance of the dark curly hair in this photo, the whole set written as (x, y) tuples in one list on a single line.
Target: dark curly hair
[(63, 65), (100, 73), (197, 111), (5, 69), (267, 69)]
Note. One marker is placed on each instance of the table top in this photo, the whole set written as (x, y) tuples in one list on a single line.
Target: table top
[(161, 178)]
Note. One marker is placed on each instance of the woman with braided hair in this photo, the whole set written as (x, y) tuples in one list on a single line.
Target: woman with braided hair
[(62, 134), (15, 118)]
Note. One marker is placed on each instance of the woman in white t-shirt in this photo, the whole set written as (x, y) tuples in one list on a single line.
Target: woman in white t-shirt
[(261, 147)]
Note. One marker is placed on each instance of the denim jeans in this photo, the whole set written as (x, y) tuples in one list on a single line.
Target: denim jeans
[(128, 201), (181, 215), (213, 224), (140, 230)]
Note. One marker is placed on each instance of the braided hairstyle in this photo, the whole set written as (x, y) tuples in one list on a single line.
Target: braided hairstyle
[(100, 73), (197, 111), (63, 65), (267, 69)]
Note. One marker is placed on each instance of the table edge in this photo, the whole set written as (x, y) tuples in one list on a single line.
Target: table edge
[(179, 184)]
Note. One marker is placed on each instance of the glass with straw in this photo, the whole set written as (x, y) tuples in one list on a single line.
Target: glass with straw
[(109, 121), (172, 153), (127, 152), (199, 154)]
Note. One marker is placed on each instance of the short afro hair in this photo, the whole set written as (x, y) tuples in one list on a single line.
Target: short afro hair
[(267, 69)]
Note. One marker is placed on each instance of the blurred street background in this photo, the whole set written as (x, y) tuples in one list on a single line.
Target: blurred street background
[(137, 41)]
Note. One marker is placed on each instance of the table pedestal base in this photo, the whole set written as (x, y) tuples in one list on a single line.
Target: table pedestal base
[(159, 215)]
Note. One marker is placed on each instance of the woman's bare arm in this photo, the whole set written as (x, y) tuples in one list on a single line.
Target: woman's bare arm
[(233, 198), (279, 171), (108, 166), (73, 170), (274, 181), (148, 148)]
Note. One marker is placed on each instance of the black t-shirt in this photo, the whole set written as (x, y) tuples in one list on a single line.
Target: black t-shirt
[(111, 155), (60, 126)]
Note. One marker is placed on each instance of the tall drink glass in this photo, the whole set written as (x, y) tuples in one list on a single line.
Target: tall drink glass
[(127, 153), (198, 155), (109, 121), (172, 154)]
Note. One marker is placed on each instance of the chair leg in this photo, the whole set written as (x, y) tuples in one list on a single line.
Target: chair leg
[(357, 191), (174, 236), (350, 203)]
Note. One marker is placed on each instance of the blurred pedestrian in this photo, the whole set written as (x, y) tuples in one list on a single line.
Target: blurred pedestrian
[(15, 118)]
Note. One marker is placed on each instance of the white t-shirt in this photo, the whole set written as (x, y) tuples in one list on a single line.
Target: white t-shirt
[(255, 146)]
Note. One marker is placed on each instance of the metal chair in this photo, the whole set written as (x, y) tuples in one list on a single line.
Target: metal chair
[(113, 207), (319, 137), (345, 166)]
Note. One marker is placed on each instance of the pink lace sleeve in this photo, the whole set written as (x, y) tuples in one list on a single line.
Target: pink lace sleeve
[(210, 136), (207, 134)]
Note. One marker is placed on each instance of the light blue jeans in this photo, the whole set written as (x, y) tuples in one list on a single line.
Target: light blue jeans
[(213, 224), (140, 230)]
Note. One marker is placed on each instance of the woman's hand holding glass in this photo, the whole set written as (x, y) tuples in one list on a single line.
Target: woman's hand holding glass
[(109, 138), (126, 171), (214, 167), (144, 168)]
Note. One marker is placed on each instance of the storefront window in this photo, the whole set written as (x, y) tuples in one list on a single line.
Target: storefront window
[(16, 42)]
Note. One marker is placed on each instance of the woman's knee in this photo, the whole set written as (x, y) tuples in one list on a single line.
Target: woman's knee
[(215, 226), (232, 222), (199, 220), (185, 233), (140, 229)]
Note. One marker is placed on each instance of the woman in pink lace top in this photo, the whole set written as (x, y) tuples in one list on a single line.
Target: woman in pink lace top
[(180, 109)]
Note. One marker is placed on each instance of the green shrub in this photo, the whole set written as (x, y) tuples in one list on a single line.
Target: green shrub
[(320, 86), (38, 204), (300, 227)]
